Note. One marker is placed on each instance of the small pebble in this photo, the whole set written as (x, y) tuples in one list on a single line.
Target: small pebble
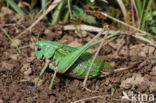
[(14, 56), (28, 72), (5, 53), (143, 54), (1, 101), (153, 73), (7, 11), (25, 68), (151, 49), (107, 81), (127, 86), (30, 59), (112, 64), (84, 33), (154, 69), (88, 38), (152, 86)]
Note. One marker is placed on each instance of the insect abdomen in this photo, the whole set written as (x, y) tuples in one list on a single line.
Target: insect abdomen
[(80, 68)]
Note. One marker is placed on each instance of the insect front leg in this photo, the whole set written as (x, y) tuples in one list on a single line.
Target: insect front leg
[(42, 71)]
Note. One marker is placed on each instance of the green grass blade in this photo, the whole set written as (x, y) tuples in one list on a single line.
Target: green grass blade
[(138, 3), (15, 6), (142, 13), (43, 4), (109, 36), (9, 37), (66, 16), (57, 13), (145, 15), (113, 34)]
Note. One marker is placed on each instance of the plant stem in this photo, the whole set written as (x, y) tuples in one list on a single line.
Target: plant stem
[(9, 37)]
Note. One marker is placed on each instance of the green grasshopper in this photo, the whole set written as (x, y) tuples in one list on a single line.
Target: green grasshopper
[(73, 61)]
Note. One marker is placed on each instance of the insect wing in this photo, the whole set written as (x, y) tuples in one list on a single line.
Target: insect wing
[(69, 59)]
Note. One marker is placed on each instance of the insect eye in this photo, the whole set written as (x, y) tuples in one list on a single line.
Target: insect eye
[(38, 48)]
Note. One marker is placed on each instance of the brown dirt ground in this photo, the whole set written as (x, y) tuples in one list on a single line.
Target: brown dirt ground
[(18, 71)]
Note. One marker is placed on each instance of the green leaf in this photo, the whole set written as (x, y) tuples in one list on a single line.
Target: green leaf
[(77, 12), (90, 2), (153, 25), (154, 30), (154, 13), (90, 19)]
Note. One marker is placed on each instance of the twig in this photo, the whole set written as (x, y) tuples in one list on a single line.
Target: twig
[(51, 7), (122, 69), (70, 9), (38, 14), (140, 64), (152, 43), (89, 70), (127, 47), (120, 45), (86, 28), (105, 1), (148, 59), (144, 33), (14, 24), (110, 40), (90, 98), (97, 29)]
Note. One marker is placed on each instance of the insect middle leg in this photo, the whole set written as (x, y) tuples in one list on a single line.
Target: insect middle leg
[(55, 68)]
